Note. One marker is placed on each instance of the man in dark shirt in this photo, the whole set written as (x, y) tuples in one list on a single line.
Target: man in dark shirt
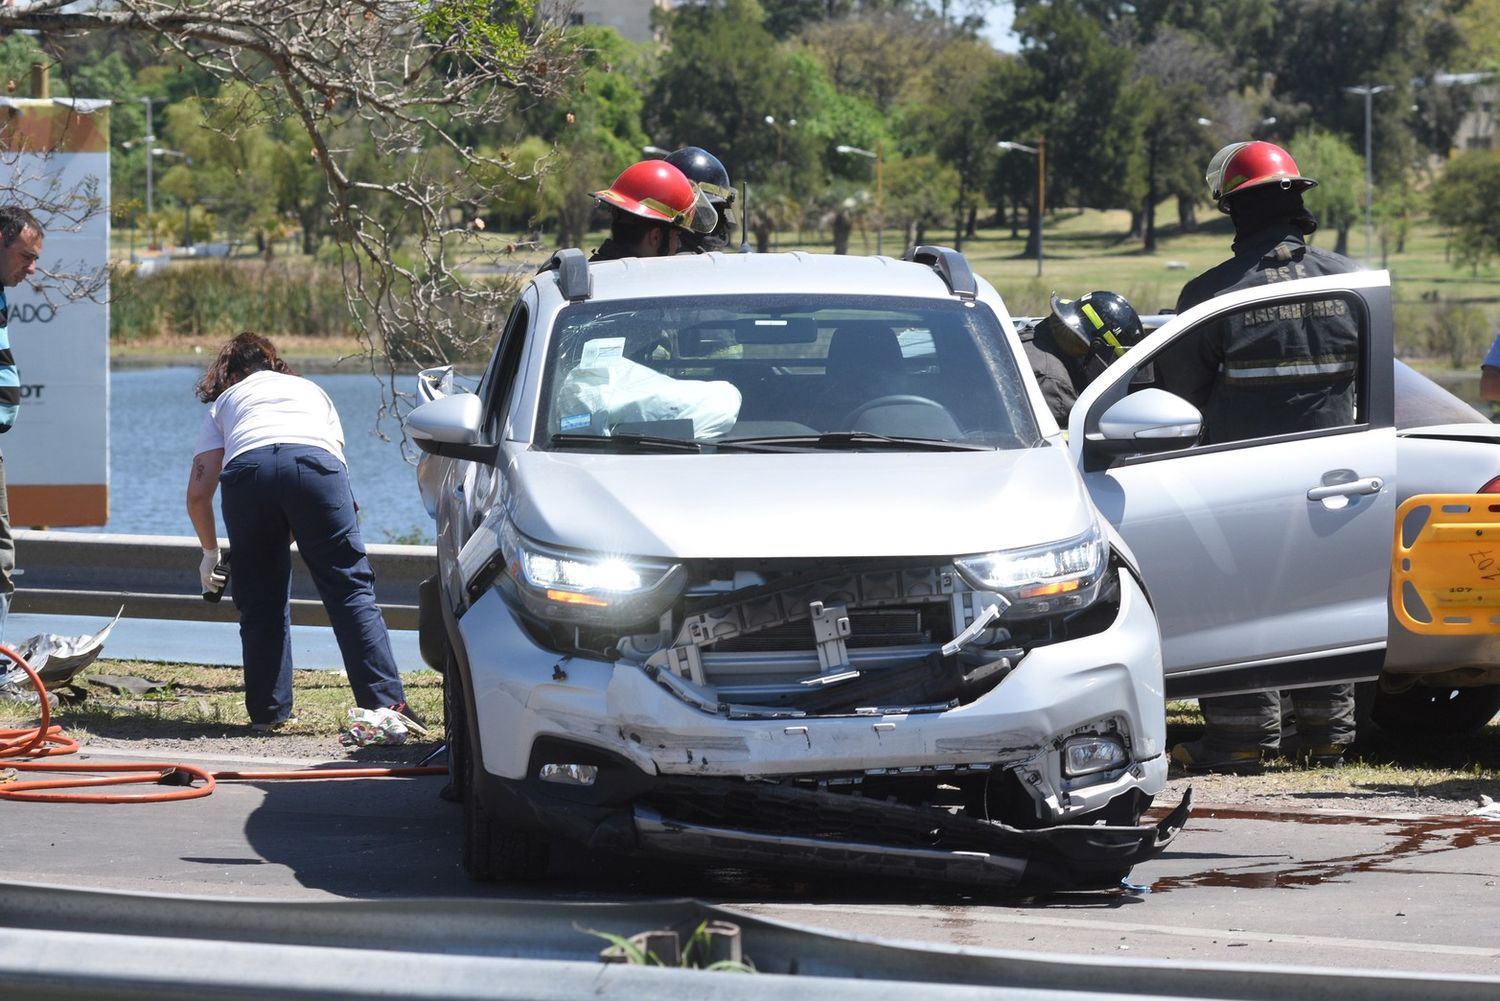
[(1263, 372)]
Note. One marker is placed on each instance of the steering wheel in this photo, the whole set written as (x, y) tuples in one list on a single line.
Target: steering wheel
[(895, 400)]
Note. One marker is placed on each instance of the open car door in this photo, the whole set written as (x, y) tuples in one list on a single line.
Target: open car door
[(1267, 558)]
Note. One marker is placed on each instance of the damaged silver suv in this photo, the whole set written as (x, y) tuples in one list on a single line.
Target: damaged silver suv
[(776, 560)]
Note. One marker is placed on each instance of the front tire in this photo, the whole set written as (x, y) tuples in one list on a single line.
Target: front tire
[(1424, 711), (492, 850)]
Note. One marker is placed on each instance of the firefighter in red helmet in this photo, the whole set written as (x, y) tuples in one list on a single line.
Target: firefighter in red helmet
[(1264, 372), (653, 205)]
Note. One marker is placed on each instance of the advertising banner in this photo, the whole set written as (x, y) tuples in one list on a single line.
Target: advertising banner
[(54, 156)]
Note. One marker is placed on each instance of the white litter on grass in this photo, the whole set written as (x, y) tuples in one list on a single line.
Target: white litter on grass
[(1487, 808), (379, 726)]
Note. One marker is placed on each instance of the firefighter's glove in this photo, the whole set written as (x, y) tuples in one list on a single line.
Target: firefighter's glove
[(206, 569)]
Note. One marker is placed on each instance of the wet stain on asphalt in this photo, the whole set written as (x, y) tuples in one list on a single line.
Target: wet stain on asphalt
[(1411, 839)]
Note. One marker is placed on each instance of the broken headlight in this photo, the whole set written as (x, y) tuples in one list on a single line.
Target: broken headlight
[(1042, 580)]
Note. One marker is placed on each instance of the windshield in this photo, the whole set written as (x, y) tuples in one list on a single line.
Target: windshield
[(783, 372)]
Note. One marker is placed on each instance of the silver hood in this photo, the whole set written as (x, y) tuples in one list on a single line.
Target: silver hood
[(823, 504)]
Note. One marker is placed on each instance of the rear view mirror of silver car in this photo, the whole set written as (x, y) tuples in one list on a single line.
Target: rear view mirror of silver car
[(708, 339), (1151, 419), (451, 426)]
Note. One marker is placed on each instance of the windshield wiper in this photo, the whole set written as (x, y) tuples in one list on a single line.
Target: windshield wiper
[(623, 441), (838, 440)]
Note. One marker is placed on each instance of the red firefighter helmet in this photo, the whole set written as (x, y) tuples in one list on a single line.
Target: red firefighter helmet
[(1243, 165), (654, 189)]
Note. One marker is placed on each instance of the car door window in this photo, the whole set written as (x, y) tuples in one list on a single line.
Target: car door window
[(497, 387), (1273, 368)]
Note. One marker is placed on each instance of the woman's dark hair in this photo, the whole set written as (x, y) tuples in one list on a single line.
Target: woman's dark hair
[(242, 357)]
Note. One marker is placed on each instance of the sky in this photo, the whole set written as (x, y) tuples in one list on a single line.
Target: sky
[(997, 30)]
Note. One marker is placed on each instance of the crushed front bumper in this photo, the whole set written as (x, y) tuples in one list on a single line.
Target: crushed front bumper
[(916, 843)]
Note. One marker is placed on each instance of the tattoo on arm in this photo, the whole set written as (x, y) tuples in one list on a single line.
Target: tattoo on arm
[(198, 471)]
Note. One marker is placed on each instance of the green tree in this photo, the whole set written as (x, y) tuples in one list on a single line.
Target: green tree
[(875, 55), (1174, 77), (947, 119), (1466, 200), (920, 193), (1079, 75), (720, 80), (596, 125), (17, 53), (1332, 45), (1338, 200)]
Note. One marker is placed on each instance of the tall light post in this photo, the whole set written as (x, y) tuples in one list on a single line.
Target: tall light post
[(1040, 152), (1368, 91), (187, 206), (149, 139), (656, 152), (879, 210)]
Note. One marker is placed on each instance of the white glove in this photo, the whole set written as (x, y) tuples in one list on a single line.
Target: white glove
[(206, 569)]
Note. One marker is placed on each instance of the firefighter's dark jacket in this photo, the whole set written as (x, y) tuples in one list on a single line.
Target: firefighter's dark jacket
[(1060, 378), (1268, 371)]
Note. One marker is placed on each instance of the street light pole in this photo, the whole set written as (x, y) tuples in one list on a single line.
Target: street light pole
[(1040, 152), (879, 213), (1369, 91), (150, 138)]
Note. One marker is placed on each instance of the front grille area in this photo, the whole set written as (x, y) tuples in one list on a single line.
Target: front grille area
[(875, 627)]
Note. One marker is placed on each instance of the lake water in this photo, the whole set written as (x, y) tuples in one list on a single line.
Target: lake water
[(154, 421)]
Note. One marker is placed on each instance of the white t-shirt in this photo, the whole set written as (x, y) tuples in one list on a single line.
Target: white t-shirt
[(269, 408)]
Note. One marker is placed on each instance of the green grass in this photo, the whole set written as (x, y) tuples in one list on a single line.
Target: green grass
[(204, 702)]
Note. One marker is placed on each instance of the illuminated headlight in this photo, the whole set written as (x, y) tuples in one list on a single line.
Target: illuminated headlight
[(1042, 579), (579, 586), (1089, 753), (583, 582), (569, 775)]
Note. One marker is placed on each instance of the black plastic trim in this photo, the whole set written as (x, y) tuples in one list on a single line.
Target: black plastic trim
[(573, 278), (951, 266)]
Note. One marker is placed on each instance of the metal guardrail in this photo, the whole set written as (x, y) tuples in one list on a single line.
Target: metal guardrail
[(68, 944), (156, 577)]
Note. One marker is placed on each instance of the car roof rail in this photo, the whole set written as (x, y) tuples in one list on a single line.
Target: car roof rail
[(951, 266), (573, 278)]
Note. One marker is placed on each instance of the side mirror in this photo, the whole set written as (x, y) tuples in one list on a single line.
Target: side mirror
[(451, 426), (1149, 421)]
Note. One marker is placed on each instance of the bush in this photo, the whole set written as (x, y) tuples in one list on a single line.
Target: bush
[(218, 299), (1457, 332)]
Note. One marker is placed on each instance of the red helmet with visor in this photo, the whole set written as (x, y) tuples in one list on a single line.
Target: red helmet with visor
[(654, 189)]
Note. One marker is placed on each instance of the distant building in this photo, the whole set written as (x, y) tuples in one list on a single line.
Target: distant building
[(631, 18), (1477, 129)]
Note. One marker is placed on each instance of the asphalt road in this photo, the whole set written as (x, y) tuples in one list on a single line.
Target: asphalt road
[(1237, 886)]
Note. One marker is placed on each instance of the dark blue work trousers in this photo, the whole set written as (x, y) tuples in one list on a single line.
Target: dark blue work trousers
[(302, 492)]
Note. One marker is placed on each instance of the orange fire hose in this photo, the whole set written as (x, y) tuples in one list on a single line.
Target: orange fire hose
[(46, 740)]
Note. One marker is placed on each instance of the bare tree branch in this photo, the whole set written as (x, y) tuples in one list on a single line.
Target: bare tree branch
[(416, 80)]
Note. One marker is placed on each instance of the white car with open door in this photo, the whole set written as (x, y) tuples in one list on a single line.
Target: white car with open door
[(1269, 559)]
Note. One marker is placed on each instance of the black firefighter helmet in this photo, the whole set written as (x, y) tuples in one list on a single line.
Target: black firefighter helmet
[(1102, 324), (704, 169)]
